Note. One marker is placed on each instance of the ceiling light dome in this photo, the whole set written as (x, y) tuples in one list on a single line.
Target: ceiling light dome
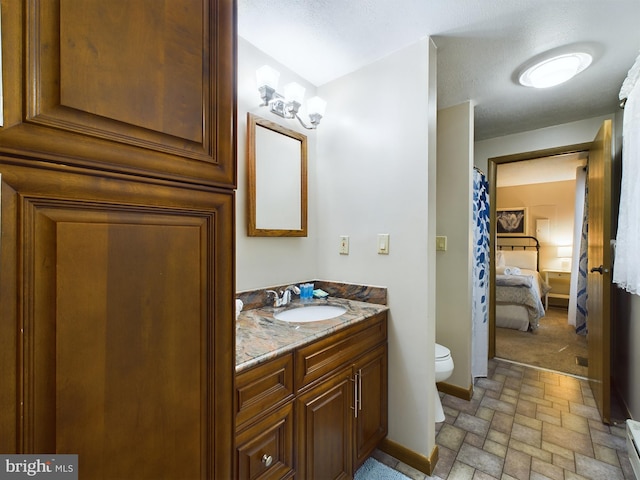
[(556, 70)]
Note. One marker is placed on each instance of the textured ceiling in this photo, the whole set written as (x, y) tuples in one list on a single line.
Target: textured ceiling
[(481, 45)]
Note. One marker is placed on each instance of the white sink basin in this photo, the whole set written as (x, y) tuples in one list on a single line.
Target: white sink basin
[(312, 313)]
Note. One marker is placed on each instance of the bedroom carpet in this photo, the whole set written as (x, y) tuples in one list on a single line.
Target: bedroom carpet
[(554, 345)]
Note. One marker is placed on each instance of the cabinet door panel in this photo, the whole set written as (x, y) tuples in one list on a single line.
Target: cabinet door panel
[(371, 424), (145, 86), (325, 429), (124, 297)]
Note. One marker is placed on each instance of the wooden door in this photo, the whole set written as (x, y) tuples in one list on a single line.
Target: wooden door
[(371, 421), (599, 270), (325, 429), (117, 295)]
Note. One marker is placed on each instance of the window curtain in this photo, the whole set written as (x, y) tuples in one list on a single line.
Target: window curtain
[(626, 272), (480, 289)]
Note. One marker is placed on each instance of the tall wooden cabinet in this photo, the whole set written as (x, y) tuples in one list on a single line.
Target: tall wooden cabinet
[(117, 177)]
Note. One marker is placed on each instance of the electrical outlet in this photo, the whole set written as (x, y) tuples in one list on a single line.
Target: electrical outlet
[(344, 244), (383, 244)]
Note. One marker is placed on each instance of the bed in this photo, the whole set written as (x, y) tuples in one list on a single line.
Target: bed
[(519, 285)]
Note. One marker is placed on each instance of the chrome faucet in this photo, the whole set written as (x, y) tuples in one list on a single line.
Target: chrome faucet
[(293, 288), (284, 297)]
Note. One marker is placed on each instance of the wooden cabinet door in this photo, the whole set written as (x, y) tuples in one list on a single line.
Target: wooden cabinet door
[(116, 326), (139, 86), (325, 429), (371, 421)]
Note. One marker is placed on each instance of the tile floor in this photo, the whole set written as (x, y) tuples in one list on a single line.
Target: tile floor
[(525, 423)]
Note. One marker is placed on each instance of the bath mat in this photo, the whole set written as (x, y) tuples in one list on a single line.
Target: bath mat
[(372, 469)]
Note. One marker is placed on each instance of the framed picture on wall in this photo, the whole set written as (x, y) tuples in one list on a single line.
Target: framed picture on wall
[(511, 221)]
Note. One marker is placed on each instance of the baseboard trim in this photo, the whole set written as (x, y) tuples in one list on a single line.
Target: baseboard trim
[(425, 464), (456, 391)]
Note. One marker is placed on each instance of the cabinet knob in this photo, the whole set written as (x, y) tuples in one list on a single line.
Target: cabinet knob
[(267, 460)]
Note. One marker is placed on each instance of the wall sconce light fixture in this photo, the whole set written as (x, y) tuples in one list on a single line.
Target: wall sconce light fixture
[(287, 105)]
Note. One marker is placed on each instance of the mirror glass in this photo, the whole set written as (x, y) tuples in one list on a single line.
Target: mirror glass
[(277, 183)]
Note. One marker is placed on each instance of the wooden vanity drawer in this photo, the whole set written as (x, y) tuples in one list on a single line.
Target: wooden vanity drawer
[(265, 450), (326, 355), (263, 387)]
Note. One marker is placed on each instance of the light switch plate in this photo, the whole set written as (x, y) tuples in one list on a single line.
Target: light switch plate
[(383, 244), (441, 243), (344, 245)]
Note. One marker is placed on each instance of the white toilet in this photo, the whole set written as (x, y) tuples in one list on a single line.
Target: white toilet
[(444, 369)]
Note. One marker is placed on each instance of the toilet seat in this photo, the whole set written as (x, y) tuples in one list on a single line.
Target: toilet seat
[(442, 353)]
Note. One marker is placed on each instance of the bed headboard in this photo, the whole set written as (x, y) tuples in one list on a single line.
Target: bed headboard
[(519, 243)]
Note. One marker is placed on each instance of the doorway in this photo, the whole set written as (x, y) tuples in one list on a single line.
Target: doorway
[(598, 268), (542, 183), (550, 192)]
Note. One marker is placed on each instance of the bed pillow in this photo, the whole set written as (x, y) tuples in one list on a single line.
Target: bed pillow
[(500, 259), (521, 258)]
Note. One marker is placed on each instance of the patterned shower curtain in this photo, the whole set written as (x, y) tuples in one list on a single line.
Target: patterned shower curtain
[(578, 220), (581, 302), (480, 292)]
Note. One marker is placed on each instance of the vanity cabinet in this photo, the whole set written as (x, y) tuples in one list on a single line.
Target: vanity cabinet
[(339, 404)]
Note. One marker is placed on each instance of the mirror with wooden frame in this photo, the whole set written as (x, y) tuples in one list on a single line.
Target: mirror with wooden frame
[(277, 180)]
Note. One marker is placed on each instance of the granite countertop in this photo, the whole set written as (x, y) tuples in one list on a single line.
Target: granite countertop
[(260, 337)]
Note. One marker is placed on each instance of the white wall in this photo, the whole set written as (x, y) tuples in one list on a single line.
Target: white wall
[(582, 131), (265, 261), (554, 201), (454, 220), (376, 175)]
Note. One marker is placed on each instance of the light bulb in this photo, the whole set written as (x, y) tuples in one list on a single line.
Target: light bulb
[(266, 75), (294, 92), (316, 105)]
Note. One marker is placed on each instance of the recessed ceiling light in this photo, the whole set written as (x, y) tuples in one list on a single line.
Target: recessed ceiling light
[(556, 70)]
